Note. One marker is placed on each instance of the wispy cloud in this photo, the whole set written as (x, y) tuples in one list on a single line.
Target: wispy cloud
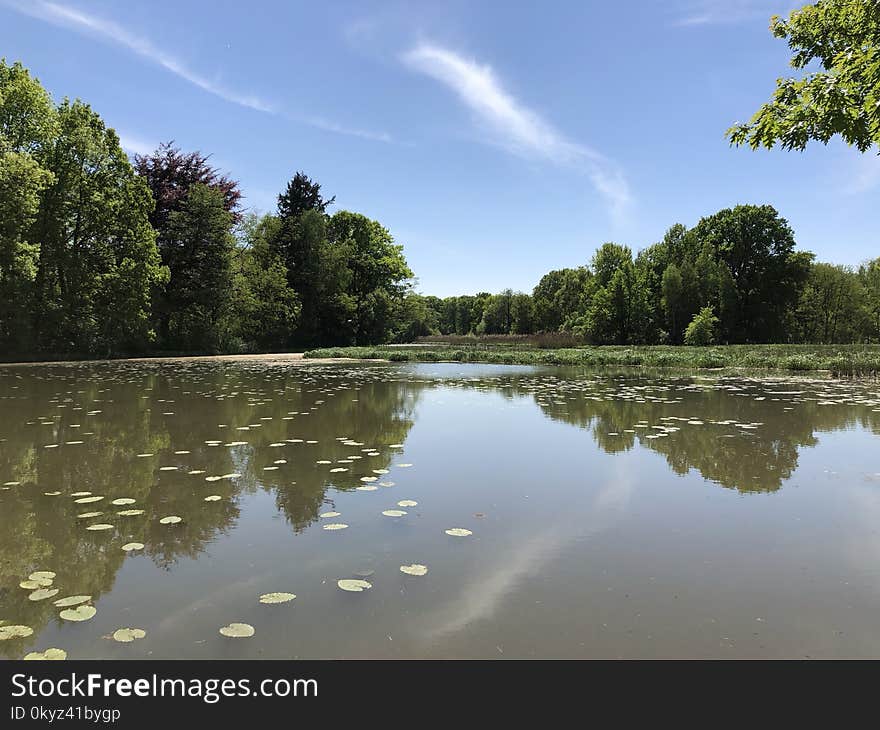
[(865, 174), (136, 145), (112, 32), (725, 12), (512, 125)]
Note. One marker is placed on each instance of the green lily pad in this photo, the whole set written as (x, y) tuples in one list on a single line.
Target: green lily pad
[(129, 546), (238, 631), (42, 575), (71, 601), (335, 526), (277, 597), (87, 500), (80, 613), (170, 520), (458, 532), (48, 655), (42, 594), (414, 569), (87, 515), (394, 512), (126, 636), (122, 501), (407, 503), (101, 526), (15, 631), (130, 512), (354, 586), (325, 515)]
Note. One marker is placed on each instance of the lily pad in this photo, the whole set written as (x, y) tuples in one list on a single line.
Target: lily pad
[(87, 500), (130, 512), (71, 601), (126, 636), (170, 520), (42, 594), (129, 546), (15, 632), (394, 512), (213, 498), (458, 532), (48, 655), (277, 597), (407, 503), (353, 585), (238, 631), (414, 569), (335, 526), (325, 515), (123, 501), (80, 613), (87, 515), (42, 575), (100, 527)]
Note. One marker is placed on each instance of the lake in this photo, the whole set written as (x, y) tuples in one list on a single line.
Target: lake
[(611, 514)]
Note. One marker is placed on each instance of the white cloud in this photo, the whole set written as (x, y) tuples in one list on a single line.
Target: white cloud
[(135, 145), (865, 175), (513, 126), (722, 12), (108, 30), (115, 33)]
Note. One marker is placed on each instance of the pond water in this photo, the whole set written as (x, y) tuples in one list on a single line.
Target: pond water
[(612, 514)]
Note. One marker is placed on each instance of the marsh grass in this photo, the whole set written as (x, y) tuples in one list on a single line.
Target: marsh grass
[(838, 360)]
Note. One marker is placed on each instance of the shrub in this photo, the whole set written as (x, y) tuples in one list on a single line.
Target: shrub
[(701, 331)]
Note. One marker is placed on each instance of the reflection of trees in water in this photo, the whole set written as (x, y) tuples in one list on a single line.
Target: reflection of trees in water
[(746, 459), (40, 532)]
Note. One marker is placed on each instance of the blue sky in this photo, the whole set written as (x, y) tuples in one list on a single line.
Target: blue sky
[(496, 140)]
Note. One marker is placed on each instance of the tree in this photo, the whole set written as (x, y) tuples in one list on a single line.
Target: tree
[(200, 247), (98, 261), (265, 309), (869, 277), (378, 275), (413, 317), (702, 329), (28, 125), (832, 306), (522, 314), (673, 291), (171, 174), (843, 37), (766, 274)]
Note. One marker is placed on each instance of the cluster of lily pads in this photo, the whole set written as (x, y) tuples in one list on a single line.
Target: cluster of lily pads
[(74, 608)]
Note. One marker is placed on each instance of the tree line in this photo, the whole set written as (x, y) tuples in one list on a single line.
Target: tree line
[(103, 255), (735, 277)]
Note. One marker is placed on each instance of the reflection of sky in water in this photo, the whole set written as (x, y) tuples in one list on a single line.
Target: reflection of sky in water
[(739, 519)]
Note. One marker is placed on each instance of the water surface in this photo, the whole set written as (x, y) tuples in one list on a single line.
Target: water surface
[(613, 514)]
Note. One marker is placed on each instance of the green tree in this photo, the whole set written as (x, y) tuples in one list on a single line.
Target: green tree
[(842, 37), (766, 274), (265, 309), (200, 246), (703, 328), (522, 314), (98, 261), (832, 306), (673, 290), (378, 273), (28, 126)]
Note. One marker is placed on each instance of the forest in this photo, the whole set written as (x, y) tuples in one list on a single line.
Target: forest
[(105, 255)]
